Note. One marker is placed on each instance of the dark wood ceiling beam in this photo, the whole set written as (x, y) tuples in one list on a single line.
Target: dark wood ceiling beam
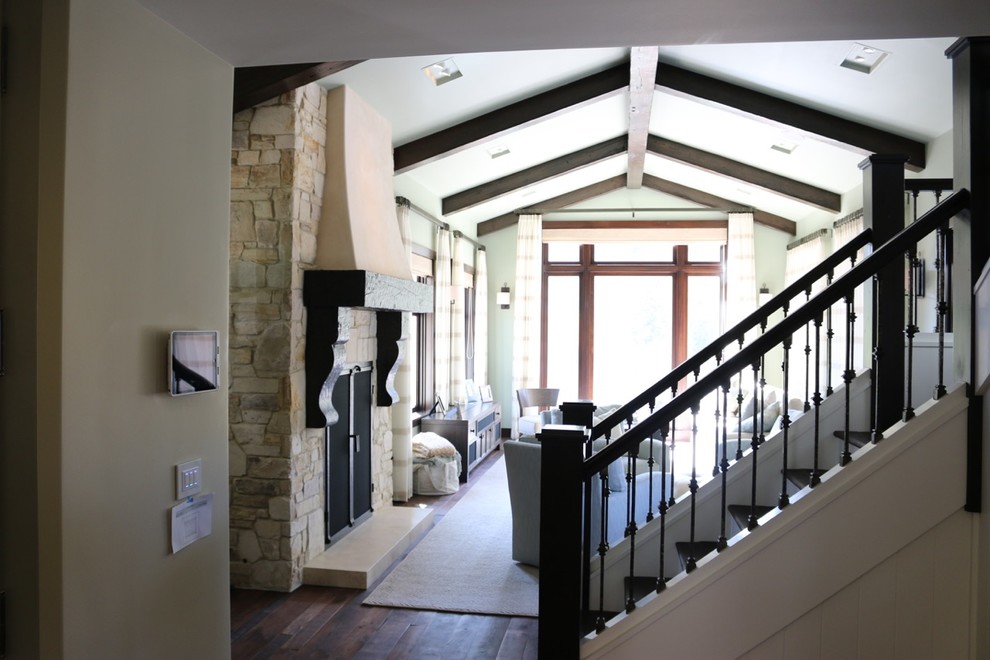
[(642, 76), (713, 201), (802, 192), (527, 177), (510, 118), (560, 201), (255, 84), (832, 129)]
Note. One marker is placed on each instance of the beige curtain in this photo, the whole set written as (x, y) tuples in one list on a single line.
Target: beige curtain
[(441, 316), (402, 409), (458, 364), (740, 268), (481, 317), (526, 308)]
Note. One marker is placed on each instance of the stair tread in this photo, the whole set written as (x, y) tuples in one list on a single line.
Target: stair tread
[(856, 438), (740, 513), (589, 620), (801, 477), (641, 585), (685, 549)]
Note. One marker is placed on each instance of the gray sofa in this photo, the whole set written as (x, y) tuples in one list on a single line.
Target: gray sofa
[(522, 466)]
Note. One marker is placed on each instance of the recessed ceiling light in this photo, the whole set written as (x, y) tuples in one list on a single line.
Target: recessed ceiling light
[(498, 150), (784, 147), (863, 58), (442, 72)]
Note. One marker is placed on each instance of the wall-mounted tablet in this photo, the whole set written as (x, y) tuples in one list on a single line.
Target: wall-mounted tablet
[(193, 361)]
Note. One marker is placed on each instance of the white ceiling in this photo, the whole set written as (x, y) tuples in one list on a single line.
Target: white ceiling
[(506, 52), (260, 32)]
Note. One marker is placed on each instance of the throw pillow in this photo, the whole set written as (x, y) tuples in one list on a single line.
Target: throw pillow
[(616, 469), (770, 415)]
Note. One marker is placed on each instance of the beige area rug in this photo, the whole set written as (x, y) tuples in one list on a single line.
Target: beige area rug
[(464, 564)]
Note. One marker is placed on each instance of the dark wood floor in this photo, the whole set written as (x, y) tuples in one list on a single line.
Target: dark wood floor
[(327, 622)]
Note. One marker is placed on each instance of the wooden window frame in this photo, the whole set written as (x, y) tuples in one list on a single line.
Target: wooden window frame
[(586, 269)]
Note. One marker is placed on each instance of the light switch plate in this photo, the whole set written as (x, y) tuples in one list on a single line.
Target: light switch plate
[(188, 478)]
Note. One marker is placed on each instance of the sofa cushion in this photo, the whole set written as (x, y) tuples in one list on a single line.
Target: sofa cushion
[(616, 471), (770, 415)]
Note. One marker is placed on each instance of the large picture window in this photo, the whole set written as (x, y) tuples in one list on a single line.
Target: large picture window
[(617, 316)]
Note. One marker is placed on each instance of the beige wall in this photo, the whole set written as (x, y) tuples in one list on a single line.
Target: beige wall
[(122, 232)]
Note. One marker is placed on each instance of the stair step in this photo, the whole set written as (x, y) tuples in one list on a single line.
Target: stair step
[(700, 549), (856, 438), (589, 620), (641, 585), (801, 477), (740, 513)]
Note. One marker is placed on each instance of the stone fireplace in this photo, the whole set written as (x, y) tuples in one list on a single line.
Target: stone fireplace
[(279, 167)]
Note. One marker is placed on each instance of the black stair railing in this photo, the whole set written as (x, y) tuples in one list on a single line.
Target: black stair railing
[(567, 484)]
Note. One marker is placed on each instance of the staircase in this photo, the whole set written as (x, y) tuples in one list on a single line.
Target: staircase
[(797, 517), (826, 550)]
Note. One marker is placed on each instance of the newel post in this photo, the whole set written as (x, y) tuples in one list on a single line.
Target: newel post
[(883, 212), (560, 540)]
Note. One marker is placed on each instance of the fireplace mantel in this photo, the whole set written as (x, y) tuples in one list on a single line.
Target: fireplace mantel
[(329, 297)]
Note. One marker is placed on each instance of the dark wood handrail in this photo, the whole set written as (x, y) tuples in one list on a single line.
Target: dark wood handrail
[(752, 353)]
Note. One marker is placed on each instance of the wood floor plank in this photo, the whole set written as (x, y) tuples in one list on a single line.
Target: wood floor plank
[(405, 648), (328, 622), (388, 635)]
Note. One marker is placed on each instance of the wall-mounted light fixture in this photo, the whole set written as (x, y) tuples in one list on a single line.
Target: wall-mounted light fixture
[(502, 298), (765, 295)]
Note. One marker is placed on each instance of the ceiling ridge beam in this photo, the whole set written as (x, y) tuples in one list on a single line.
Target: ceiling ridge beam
[(714, 201), (642, 74), (544, 171), (825, 126), (255, 84), (510, 118), (567, 199), (781, 185)]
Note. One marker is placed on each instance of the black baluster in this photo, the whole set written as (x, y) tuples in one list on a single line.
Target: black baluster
[(942, 308), (673, 446), (739, 402), (650, 463), (631, 529), (602, 549), (692, 561), (829, 335), (784, 499), (910, 330), (662, 508), (718, 417), (755, 444), (807, 357), (723, 542), (817, 400), (848, 374)]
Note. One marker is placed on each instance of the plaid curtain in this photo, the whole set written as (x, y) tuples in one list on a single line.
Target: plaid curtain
[(402, 457), (458, 364), (740, 269), (441, 316), (481, 317), (527, 308)]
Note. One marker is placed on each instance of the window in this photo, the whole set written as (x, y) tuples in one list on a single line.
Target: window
[(618, 315)]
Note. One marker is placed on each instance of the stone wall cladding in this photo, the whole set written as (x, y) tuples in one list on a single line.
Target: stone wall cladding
[(278, 165), (276, 479)]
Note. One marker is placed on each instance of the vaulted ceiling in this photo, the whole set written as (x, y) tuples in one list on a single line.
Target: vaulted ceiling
[(550, 129)]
